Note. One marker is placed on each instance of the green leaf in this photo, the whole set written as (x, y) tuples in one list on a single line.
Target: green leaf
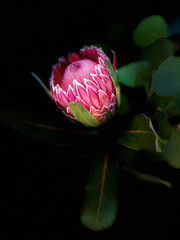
[(43, 85), (158, 52), (152, 179), (162, 102), (114, 78), (135, 74), (172, 151), (124, 107), (148, 178), (38, 127), (125, 154), (141, 135), (169, 105), (166, 81), (83, 115), (173, 108), (108, 116), (149, 30), (164, 128), (100, 204)]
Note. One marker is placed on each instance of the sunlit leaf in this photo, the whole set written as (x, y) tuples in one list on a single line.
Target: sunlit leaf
[(149, 30), (100, 204), (166, 81), (83, 115)]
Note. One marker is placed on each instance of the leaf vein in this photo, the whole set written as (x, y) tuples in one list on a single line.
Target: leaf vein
[(102, 187)]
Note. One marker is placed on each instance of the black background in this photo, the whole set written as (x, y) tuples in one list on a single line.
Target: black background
[(41, 193)]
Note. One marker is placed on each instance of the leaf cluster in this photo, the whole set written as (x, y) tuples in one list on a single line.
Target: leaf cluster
[(154, 129)]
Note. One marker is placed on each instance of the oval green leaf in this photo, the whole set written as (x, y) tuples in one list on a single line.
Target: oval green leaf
[(172, 151), (141, 135), (166, 81), (158, 52), (83, 115), (149, 30), (135, 74), (100, 204)]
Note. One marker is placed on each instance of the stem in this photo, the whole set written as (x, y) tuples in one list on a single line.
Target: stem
[(174, 114), (149, 93), (42, 85)]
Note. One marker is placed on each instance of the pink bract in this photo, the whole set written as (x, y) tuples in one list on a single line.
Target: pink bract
[(84, 78)]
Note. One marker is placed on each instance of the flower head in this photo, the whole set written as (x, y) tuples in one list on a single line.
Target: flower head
[(84, 78)]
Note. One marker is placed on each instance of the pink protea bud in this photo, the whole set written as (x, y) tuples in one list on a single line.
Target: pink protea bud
[(84, 78)]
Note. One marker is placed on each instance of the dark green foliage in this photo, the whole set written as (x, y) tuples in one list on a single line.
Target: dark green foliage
[(158, 52), (166, 81), (135, 74), (172, 150), (152, 128), (115, 81), (141, 135), (100, 204), (149, 30)]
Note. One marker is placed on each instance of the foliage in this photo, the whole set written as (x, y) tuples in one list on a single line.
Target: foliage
[(152, 128)]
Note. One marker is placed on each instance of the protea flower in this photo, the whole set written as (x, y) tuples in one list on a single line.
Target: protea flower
[(85, 79)]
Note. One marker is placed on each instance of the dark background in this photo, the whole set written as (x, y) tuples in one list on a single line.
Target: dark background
[(41, 189)]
